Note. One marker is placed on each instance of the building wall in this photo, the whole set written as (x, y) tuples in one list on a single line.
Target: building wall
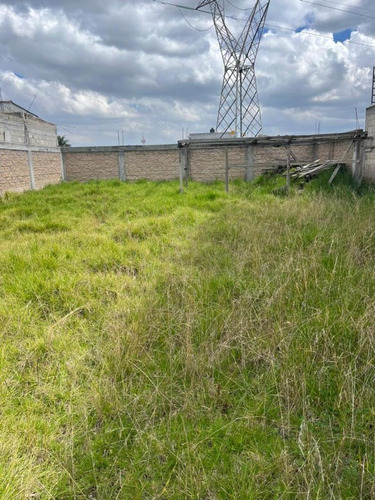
[(23, 169), (20, 128)]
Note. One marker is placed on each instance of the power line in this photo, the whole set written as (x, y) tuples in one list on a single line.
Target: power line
[(189, 23), (350, 5), (319, 35), (275, 26), (235, 6), (194, 10), (340, 10)]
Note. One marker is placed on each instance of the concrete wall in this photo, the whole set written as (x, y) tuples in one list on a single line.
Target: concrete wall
[(204, 160), (21, 128), (249, 158), (23, 168), (157, 163)]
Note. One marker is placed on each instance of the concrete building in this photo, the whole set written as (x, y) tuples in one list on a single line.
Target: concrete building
[(20, 126), (29, 154)]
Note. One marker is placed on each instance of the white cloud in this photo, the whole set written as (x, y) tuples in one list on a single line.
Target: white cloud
[(139, 67)]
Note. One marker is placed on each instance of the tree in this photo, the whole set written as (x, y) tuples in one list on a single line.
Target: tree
[(62, 141)]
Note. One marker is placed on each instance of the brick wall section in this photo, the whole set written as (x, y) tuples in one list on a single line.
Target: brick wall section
[(14, 171), (206, 159), (336, 151), (90, 166), (207, 165), (269, 156), (47, 169), (152, 165)]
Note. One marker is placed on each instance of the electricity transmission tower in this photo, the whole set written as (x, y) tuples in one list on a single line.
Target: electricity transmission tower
[(239, 105)]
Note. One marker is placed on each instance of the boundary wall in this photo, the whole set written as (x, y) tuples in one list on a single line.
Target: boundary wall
[(127, 163), (25, 168), (206, 160)]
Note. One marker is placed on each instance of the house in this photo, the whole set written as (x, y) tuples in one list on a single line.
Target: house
[(18, 126)]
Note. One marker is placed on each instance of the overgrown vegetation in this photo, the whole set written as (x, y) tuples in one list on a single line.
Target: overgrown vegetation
[(157, 345)]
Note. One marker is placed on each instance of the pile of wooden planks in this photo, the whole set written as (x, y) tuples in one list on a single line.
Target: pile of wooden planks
[(313, 168)]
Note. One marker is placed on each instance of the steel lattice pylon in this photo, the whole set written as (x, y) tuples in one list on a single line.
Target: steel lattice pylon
[(239, 105)]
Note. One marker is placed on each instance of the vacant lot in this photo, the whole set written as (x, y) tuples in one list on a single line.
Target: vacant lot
[(158, 345)]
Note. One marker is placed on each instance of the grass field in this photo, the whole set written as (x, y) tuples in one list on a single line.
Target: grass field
[(165, 346)]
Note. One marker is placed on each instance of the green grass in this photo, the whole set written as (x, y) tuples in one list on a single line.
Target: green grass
[(165, 346)]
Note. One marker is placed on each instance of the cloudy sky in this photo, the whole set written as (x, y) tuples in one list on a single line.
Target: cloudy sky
[(95, 67)]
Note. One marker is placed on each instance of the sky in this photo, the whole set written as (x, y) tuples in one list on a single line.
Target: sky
[(138, 69)]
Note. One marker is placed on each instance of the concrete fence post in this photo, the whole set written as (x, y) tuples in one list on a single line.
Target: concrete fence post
[(31, 168), (249, 172), (184, 166), (63, 173), (121, 165), (357, 165), (187, 165)]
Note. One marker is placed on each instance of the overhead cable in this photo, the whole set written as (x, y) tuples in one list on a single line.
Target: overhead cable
[(191, 26), (267, 25), (340, 10), (350, 5), (235, 6)]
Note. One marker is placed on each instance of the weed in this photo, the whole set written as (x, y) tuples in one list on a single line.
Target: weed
[(155, 345)]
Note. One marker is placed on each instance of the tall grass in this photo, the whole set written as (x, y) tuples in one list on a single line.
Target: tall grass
[(158, 345)]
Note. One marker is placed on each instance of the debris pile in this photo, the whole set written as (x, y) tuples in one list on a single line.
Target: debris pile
[(311, 169)]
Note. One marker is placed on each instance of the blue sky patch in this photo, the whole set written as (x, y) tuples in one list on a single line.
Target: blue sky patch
[(341, 36), (301, 28), (18, 75)]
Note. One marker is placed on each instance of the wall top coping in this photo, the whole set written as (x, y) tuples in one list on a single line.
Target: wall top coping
[(23, 147), (278, 140), (117, 149)]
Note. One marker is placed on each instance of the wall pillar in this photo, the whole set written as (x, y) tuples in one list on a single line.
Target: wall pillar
[(184, 166), (249, 172), (369, 167), (121, 165), (31, 168), (63, 174)]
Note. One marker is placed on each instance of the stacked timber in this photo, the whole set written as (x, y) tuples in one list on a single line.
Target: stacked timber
[(313, 168)]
